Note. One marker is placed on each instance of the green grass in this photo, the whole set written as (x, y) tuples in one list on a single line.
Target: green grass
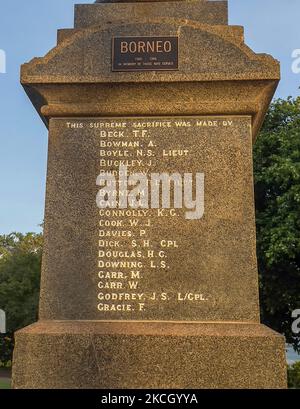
[(4, 384)]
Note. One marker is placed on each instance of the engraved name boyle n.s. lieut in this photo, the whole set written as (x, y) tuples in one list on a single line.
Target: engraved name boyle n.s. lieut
[(144, 53)]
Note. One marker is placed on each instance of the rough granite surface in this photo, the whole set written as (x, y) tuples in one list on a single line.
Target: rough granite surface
[(162, 355)]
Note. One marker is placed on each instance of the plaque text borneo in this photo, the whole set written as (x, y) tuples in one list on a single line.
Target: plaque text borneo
[(145, 53)]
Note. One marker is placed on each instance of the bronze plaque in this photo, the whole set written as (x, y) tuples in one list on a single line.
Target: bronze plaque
[(145, 53)]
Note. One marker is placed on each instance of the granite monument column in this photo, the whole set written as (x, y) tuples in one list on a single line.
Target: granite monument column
[(150, 297)]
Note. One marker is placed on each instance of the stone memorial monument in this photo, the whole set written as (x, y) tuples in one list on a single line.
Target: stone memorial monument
[(140, 289)]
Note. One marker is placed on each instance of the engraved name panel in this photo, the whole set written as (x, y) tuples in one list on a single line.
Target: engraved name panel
[(140, 260)]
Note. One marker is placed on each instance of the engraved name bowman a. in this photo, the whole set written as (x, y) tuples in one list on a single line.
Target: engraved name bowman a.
[(116, 194)]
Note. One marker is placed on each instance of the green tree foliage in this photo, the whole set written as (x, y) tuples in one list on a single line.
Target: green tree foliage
[(294, 375), (20, 265), (277, 191)]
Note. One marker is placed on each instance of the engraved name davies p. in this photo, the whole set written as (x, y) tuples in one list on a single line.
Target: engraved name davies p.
[(155, 192)]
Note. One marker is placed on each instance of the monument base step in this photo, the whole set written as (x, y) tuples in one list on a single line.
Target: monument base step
[(104, 355)]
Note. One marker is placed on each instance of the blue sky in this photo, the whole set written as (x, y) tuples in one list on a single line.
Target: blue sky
[(28, 29)]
